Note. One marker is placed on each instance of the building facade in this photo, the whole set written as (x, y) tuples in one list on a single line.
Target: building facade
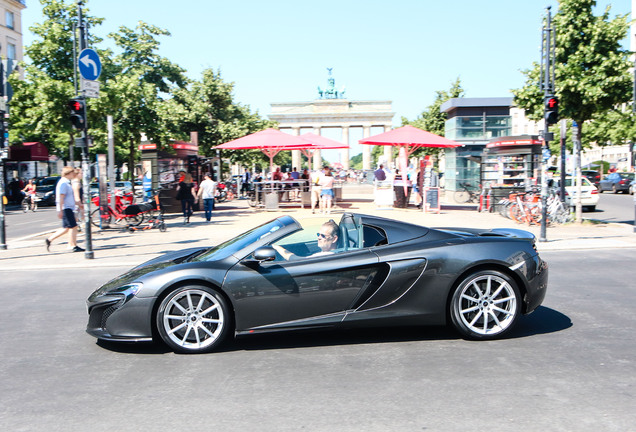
[(473, 122), (11, 29)]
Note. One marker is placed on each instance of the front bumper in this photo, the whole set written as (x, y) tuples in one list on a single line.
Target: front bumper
[(117, 318)]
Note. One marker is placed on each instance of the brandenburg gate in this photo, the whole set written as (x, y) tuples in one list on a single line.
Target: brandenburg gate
[(332, 110)]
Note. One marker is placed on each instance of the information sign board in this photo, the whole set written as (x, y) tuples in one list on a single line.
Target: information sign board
[(431, 200)]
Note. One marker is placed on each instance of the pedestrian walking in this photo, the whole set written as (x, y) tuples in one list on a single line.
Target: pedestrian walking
[(315, 189), (245, 182), (185, 195), (207, 191), (78, 194), (326, 194), (65, 202)]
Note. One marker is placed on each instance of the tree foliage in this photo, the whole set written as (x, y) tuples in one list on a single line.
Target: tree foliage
[(208, 107), (38, 107), (432, 119), (592, 69), (143, 91)]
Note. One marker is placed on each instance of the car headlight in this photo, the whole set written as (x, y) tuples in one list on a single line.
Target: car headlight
[(128, 290)]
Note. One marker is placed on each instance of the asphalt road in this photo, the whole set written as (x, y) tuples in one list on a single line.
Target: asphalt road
[(19, 224), (568, 366), (614, 208)]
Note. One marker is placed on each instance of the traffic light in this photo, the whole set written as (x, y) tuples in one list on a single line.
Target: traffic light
[(551, 110), (77, 108)]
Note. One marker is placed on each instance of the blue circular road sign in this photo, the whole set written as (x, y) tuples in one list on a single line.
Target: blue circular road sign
[(90, 66)]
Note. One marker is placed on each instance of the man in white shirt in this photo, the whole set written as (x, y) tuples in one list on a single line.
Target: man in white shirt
[(65, 202), (207, 191), (327, 242)]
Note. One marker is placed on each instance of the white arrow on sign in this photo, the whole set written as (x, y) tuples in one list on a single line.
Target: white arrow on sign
[(87, 61)]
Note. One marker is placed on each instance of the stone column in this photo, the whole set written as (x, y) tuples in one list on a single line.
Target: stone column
[(317, 155), (388, 150), (344, 153), (296, 156), (388, 156), (366, 149)]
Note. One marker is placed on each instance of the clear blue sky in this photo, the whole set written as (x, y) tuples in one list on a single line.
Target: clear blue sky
[(398, 50)]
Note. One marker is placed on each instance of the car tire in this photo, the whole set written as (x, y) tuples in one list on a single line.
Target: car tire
[(193, 319), (485, 305)]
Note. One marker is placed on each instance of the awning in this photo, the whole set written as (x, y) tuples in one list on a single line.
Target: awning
[(29, 151)]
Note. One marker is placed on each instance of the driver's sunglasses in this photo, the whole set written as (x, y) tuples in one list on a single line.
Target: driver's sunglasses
[(321, 235)]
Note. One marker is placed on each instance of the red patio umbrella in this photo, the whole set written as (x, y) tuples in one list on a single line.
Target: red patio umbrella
[(320, 143), (409, 139), (269, 141)]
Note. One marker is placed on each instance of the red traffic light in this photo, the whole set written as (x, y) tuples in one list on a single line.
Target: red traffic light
[(75, 105), (551, 114), (78, 113)]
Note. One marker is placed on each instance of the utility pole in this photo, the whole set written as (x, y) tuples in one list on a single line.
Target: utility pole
[(4, 155), (551, 113), (631, 145), (88, 253), (563, 157)]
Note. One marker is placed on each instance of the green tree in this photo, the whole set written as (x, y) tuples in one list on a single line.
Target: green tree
[(432, 119), (208, 107), (39, 105), (139, 85), (592, 68)]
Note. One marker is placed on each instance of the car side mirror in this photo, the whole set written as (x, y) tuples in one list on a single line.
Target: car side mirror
[(265, 253)]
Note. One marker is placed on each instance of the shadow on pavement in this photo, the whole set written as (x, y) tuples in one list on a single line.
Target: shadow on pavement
[(542, 321)]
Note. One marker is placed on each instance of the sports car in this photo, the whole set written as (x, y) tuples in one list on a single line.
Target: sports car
[(378, 272)]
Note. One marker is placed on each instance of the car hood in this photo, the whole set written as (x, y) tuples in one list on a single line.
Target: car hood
[(167, 260)]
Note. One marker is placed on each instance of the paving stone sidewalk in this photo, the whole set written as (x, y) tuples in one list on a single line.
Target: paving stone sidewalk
[(117, 247)]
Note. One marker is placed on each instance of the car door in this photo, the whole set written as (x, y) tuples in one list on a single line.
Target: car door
[(312, 291)]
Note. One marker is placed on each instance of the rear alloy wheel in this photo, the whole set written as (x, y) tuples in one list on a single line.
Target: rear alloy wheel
[(485, 305), (193, 319)]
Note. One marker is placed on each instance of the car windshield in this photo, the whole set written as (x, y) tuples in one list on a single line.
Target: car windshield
[(237, 243), (571, 182)]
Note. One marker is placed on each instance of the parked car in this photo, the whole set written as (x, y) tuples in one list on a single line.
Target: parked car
[(123, 186), (589, 193), (616, 182), (593, 176), (45, 190), (382, 272)]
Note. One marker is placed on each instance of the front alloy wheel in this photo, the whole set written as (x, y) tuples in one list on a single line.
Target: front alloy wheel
[(485, 305), (193, 319)]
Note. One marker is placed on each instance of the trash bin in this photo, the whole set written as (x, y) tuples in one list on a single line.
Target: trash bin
[(271, 201), (401, 200)]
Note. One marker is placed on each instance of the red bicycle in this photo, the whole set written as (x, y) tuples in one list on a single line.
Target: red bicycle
[(125, 210)]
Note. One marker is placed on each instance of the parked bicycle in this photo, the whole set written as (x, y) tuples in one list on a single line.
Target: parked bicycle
[(467, 193), (527, 208), (125, 210)]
